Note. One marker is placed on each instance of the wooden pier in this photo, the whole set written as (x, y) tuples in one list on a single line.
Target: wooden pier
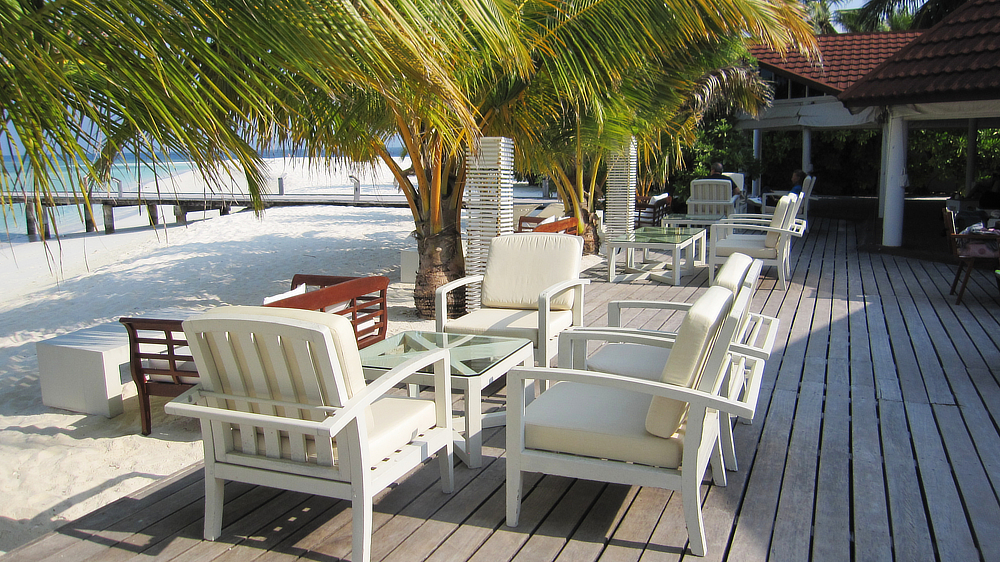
[(876, 438), (183, 203)]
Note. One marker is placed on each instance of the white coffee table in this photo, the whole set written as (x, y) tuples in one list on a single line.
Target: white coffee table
[(682, 243), (476, 361)]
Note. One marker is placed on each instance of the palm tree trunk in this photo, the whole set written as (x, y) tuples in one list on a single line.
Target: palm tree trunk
[(441, 261)]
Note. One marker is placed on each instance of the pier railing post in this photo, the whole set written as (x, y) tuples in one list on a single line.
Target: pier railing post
[(109, 219)]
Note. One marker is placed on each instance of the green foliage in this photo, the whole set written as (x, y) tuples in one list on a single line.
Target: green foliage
[(718, 140)]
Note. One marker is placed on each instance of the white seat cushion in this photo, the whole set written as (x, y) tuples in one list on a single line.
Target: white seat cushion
[(778, 220), (597, 421), (733, 272), (630, 359), (511, 323), (751, 247)]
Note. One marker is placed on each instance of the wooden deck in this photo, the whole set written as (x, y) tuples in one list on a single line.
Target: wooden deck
[(876, 439)]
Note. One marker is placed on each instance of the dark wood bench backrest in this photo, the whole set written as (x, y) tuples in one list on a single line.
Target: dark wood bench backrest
[(362, 300)]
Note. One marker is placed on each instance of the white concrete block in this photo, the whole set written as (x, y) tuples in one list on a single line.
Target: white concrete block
[(84, 371)]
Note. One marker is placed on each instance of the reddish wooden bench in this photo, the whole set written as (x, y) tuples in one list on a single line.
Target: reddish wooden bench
[(161, 363)]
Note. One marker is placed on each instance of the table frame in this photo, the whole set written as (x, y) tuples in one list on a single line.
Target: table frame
[(653, 270), (469, 431)]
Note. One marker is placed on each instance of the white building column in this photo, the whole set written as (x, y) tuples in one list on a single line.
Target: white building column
[(807, 145), (895, 187), (882, 172), (971, 152), (758, 142)]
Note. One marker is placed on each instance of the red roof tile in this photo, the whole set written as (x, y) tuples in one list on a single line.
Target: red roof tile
[(845, 58), (956, 60)]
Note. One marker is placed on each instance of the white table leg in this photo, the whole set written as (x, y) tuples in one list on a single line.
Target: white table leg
[(473, 456)]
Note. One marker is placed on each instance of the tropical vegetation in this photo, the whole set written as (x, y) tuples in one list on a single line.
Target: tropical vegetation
[(214, 80)]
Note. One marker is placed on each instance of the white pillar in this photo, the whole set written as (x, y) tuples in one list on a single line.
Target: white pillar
[(971, 152), (619, 208), (882, 175), (489, 204), (758, 141), (807, 151), (895, 189)]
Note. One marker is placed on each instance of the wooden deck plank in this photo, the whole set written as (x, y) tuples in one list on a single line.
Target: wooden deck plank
[(832, 517), (973, 484), (549, 539), (793, 524), (911, 537), (952, 533), (872, 535)]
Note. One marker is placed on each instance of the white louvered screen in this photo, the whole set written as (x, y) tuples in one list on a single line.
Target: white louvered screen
[(619, 204), (489, 205)]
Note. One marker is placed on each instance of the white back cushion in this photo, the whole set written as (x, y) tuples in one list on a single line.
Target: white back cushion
[(733, 272), (778, 220), (522, 265), (688, 357)]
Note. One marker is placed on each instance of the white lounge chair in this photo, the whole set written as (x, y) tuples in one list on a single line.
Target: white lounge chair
[(658, 433), (283, 403), (644, 353), (770, 242), (531, 289)]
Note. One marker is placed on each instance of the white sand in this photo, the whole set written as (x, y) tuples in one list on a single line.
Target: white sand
[(57, 465)]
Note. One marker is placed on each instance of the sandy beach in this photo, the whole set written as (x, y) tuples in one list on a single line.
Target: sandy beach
[(57, 465)]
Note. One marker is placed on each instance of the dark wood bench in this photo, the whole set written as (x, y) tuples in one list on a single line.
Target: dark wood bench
[(534, 224), (651, 214), (160, 361)]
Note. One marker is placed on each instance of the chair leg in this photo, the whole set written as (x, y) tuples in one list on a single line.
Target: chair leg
[(446, 460), (958, 274), (145, 414), (691, 498), (965, 281), (215, 496), (361, 508), (513, 494), (718, 466), (726, 438)]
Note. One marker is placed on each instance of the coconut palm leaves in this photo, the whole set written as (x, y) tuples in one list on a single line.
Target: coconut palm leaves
[(209, 79)]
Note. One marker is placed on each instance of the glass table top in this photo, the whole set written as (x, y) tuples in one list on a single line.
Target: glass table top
[(470, 355), (660, 235)]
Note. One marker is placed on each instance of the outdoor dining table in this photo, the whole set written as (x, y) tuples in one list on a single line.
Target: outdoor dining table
[(680, 242), (476, 361)]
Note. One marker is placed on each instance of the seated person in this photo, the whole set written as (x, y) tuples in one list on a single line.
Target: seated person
[(798, 176), (716, 174)]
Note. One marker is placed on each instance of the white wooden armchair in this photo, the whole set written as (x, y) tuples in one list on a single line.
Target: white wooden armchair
[(283, 403), (531, 289), (711, 197), (658, 433), (642, 353), (770, 242)]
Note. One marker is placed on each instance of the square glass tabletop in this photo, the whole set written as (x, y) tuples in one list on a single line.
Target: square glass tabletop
[(470, 355), (660, 235)]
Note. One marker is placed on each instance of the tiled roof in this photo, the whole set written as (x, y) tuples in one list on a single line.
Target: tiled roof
[(846, 57), (956, 60)]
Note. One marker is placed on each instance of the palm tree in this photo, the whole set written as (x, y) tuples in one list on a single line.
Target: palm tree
[(586, 61), (209, 79), (876, 13)]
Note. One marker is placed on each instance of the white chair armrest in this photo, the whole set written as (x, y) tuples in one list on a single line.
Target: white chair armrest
[(441, 299), (545, 301), (757, 337), (573, 342), (694, 397), (615, 308)]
